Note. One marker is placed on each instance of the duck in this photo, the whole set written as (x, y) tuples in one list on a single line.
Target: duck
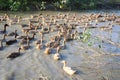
[(68, 69), (5, 17), (34, 31), (25, 25), (12, 33), (23, 42), (39, 46), (47, 51), (35, 20), (39, 41), (23, 36), (61, 47), (4, 30), (1, 44), (12, 41), (56, 56), (25, 47), (28, 37), (14, 55), (33, 37)]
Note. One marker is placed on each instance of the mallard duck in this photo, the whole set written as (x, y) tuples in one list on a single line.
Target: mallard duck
[(4, 29), (14, 54), (67, 69)]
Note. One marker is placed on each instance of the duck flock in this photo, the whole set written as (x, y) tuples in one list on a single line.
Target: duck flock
[(64, 28)]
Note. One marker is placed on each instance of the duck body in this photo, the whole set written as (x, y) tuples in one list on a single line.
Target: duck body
[(67, 69), (14, 54), (12, 33), (47, 51), (10, 42), (39, 46), (25, 47), (2, 32)]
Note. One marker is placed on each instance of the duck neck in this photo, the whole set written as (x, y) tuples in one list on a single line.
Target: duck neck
[(58, 49), (64, 64), (4, 37), (33, 36), (19, 50), (28, 44), (36, 28), (41, 40), (63, 43), (15, 36), (4, 29), (1, 43)]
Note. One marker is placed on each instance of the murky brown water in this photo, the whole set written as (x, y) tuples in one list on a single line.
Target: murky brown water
[(92, 63)]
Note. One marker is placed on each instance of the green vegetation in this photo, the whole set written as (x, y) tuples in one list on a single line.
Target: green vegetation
[(26, 5), (88, 39)]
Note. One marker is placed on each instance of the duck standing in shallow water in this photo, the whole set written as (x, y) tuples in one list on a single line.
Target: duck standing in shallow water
[(12, 41), (57, 55), (67, 69), (26, 47), (14, 54), (12, 33)]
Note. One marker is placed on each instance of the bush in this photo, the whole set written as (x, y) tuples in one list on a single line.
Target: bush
[(26, 5)]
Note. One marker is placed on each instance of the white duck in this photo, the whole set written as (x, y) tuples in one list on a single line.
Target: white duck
[(67, 69)]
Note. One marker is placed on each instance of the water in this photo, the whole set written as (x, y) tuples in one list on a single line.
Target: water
[(91, 63)]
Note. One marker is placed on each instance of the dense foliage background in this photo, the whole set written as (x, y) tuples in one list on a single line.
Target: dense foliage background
[(27, 5)]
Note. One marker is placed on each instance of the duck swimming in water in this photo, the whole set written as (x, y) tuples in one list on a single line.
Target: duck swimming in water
[(14, 54), (67, 69), (12, 41)]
